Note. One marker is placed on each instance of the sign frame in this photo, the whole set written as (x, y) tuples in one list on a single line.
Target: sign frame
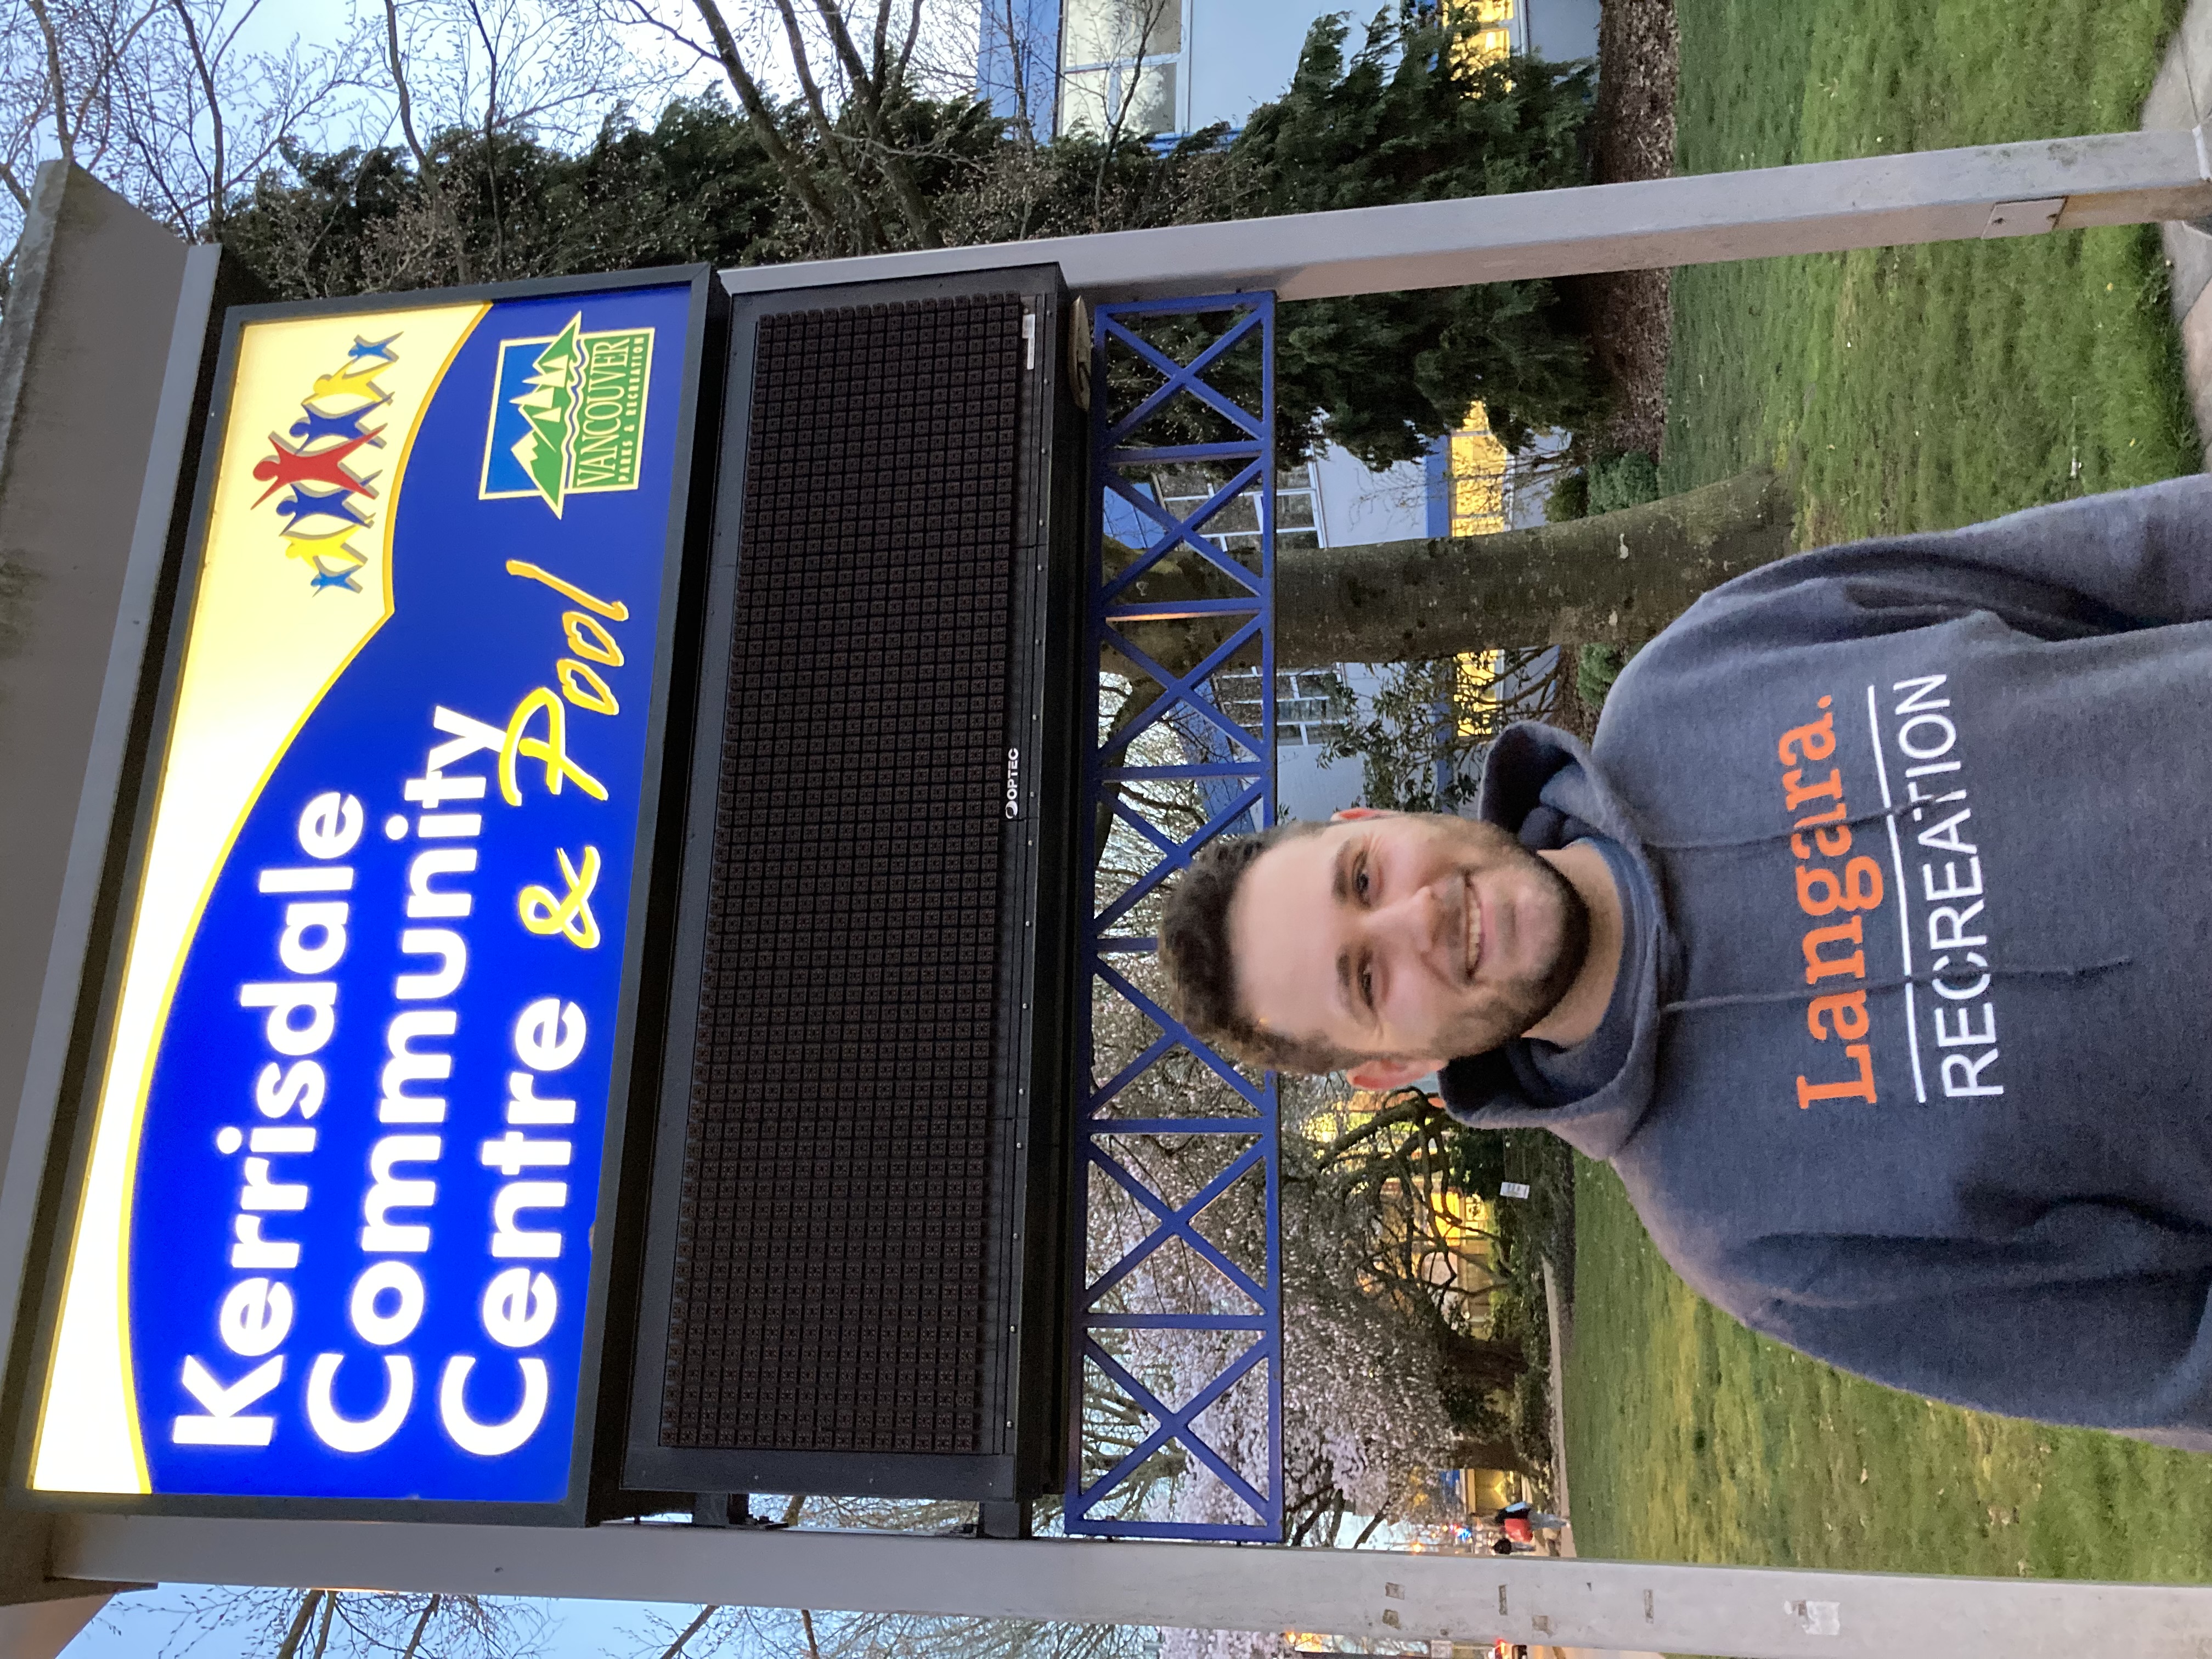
[(615, 1226)]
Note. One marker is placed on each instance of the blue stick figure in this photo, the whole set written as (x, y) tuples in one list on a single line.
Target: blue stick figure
[(314, 425), (301, 505)]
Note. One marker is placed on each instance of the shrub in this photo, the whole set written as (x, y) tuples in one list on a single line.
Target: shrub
[(1620, 480), (1595, 673), (1569, 498)]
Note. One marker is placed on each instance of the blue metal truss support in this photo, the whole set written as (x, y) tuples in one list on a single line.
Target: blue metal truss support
[(1229, 766)]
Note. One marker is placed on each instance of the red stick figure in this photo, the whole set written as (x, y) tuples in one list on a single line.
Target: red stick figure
[(290, 466)]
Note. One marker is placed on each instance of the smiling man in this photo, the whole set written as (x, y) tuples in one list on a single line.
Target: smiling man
[(1870, 941), (1385, 943)]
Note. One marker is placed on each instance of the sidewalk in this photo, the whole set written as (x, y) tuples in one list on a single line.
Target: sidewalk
[(2181, 98), (1557, 1320)]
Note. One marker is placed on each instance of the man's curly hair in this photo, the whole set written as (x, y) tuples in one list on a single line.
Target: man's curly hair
[(1201, 971)]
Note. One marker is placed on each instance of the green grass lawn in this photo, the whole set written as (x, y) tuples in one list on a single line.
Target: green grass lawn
[(1690, 1439), (1915, 389), (1922, 387)]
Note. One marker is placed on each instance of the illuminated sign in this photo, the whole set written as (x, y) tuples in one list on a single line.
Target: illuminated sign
[(347, 1154)]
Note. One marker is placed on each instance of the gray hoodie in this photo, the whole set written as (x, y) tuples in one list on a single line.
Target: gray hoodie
[(1917, 1013)]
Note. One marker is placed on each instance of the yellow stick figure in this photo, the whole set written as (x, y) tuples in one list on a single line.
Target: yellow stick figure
[(351, 382), (552, 749), (570, 914)]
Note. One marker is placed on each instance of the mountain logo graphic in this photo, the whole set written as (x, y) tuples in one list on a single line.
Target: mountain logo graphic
[(568, 414), (548, 450)]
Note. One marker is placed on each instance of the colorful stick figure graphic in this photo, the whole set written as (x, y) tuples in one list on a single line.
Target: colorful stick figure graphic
[(325, 501), (291, 466), (352, 383), (379, 350), (303, 505), (313, 425)]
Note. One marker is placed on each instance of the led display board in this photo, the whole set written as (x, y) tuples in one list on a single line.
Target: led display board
[(341, 1197)]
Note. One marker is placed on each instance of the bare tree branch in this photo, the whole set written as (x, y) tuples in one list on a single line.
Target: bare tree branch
[(831, 141), (216, 174), (762, 118), (675, 1649), (57, 88), (415, 1638), (1150, 14), (906, 51), (396, 63), (290, 1645), (491, 125), (871, 93), (1019, 50), (1406, 1111)]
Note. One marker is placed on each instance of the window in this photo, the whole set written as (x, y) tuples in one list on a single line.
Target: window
[(1481, 473), (1312, 706), (1120, 63), (1183, 490), (1493, 20)]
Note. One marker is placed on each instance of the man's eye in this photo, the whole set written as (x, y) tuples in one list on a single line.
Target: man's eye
[(1359, 882), (1367, 986)]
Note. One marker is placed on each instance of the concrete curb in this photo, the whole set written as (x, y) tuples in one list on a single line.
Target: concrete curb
[(2181, 98)]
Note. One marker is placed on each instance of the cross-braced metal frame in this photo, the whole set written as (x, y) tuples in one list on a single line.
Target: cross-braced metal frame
[(1230, 768)]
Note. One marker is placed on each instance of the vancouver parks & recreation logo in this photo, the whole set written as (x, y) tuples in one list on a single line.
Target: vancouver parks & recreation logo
[(568, 413)]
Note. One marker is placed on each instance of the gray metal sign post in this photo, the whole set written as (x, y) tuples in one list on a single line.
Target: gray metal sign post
[(2000, 191), (1755, 1613), (1823, 207), (106, 329)]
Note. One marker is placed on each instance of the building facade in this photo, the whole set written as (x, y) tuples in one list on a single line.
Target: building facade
[(1151, 67)]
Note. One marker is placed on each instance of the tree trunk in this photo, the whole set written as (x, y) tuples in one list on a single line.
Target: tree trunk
[(1489, 1452), (1618, 577), (1476, 1364)]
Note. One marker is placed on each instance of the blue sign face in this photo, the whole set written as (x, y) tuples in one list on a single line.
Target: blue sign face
[(336, 1239)]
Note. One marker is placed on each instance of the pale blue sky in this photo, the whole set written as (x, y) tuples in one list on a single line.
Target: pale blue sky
[(134, 1627), (950, 30)]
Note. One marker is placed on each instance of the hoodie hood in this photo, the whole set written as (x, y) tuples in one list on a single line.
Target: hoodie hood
[(1531, 767)]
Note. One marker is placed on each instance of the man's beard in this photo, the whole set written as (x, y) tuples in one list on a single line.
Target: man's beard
[(1520, 1004)]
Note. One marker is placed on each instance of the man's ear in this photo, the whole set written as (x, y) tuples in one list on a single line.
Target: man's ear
[(1350, 813), (1379, 1075)]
